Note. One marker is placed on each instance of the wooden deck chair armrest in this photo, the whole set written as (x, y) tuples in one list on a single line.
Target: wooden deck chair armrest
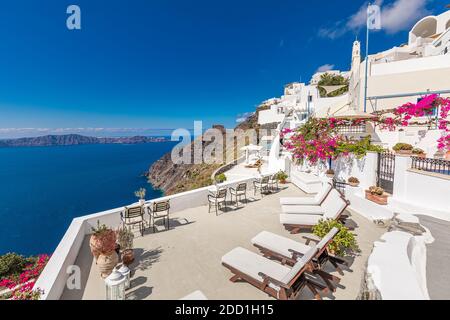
[(268, 280), (295, 254), (312, 238)]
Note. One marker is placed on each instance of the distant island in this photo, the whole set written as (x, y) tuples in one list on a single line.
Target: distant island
[(75, 139)]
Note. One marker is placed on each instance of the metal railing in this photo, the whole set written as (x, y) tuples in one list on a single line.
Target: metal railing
[(440, 166), (362, 128)]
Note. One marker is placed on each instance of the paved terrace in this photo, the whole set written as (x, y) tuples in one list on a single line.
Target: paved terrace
[(187, 258)]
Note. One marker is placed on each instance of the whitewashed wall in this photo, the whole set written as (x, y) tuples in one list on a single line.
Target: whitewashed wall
[(54, 276)]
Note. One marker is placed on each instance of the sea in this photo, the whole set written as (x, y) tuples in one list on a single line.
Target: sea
[(43, 188)]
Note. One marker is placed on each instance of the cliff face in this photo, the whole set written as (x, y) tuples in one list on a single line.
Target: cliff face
[(173, 178), (73, 139)]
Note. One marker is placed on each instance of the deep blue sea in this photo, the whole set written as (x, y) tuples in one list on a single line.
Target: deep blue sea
[(42, 189)]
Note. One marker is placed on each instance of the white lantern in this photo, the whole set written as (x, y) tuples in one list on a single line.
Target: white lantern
[(125, 271), (115, 286)]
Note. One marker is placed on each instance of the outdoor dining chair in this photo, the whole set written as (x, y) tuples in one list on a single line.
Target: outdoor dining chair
[(238, 193), (273, 181), (261, 185), (160, 210), (217, 200), (133, 216)]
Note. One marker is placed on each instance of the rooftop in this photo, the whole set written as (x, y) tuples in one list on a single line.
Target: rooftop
[(172, 264)]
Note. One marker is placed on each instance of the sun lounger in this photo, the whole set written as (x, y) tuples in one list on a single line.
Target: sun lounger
[(195, 296), (307, 182), (333, 210), (289, 252), (332, 202), (316, 201), (280, 282)]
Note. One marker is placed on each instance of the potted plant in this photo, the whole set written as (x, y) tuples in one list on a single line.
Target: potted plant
[(125, 239), (282, 177), (354, 182), (103, 245), (141, 195), (403, 148), (377, 195), (344, 243), (419, 153), (221, 178), (330, 173)]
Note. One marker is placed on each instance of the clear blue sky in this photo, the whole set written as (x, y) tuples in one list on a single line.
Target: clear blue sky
[(164, 64)]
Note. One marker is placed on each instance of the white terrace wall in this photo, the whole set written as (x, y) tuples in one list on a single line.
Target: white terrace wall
[(54, 276), (420, 188), (411, 187)]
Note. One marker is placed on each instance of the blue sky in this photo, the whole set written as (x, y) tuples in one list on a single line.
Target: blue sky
[(164, 64)]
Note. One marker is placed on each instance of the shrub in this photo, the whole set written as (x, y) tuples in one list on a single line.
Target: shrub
[(221, 178), (343, 243), (353, 180), (418, 151), (125, 238), (376, 190), (12, 264), (282, 176), (403, 147)]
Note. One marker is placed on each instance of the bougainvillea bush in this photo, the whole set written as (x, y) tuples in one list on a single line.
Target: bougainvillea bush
[(426, 107), (319, 140), (22, 284)]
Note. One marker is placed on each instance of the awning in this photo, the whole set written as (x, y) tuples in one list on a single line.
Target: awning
[(350, 113)]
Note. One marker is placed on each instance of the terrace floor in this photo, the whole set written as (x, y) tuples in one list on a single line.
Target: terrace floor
[(172, 264)]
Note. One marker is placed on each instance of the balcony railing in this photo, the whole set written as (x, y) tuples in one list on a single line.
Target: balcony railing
[(353, 129), (440, 166)]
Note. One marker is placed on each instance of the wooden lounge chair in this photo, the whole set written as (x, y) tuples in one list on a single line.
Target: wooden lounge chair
[(280, 282), (305, 201), (195, 296), (332, 201), (288, 252), (333, 210)]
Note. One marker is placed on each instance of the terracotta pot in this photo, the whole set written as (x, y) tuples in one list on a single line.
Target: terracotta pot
[(128, 257), (404, 152), (103, 243), (330, 175), (106, 263), (381, 200), (354, 184), (447, 156)]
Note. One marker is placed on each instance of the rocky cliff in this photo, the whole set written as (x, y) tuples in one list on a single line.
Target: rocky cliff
[(174, 178)]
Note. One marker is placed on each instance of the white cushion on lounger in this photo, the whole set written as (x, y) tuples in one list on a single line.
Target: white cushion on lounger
[(330, 235), (300, 265), (197, 295), (279, 244), (300, 201), (316, 210), (300, 219), (333, 204), (252, 264)]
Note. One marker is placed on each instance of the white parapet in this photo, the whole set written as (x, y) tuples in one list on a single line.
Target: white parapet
[(54, 277)]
